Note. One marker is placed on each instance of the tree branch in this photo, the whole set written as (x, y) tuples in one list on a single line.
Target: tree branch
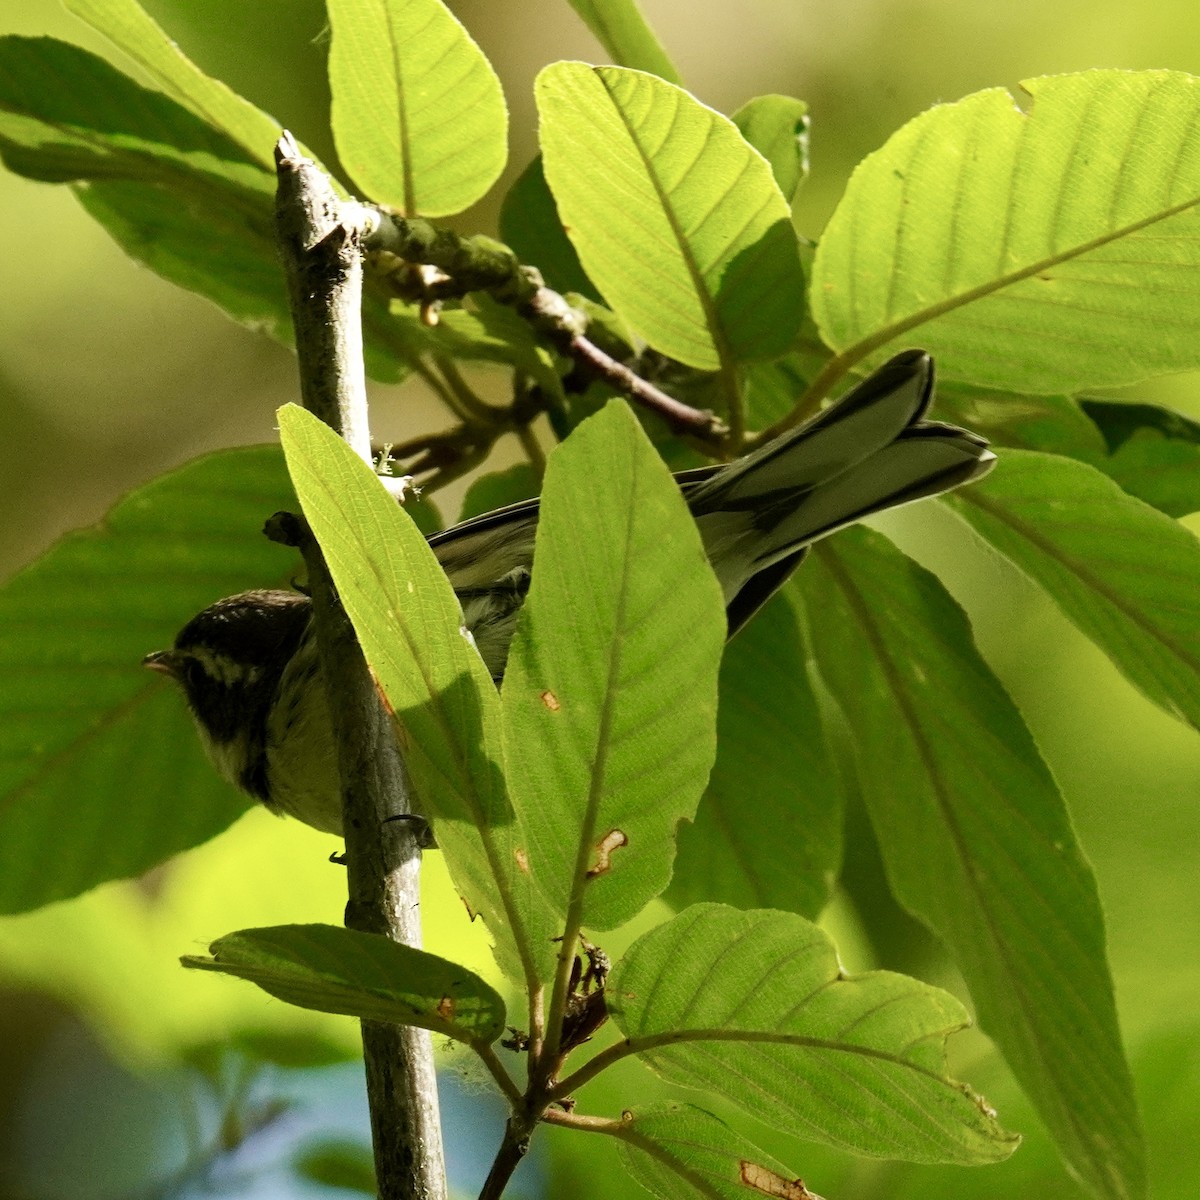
[(319, 239), (482, 264)]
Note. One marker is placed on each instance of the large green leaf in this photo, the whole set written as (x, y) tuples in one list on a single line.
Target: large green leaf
[(176, 194), (409, 623), (1036, 252), (769, 830), (755, 1006), (101, 775), (364, 975), (1125, 574), (676, 219), (620, 28), (679, 1152), (610, 697), (127, 25), (224, 252), (66, 114), (418, 114), (977, 842)]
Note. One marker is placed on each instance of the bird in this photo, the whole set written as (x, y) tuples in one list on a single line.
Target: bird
[(248, 664)]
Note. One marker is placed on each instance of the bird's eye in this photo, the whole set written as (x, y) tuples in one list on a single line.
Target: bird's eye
[(194, 674)]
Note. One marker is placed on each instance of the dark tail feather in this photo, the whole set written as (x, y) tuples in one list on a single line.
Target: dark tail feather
[(868, 452)]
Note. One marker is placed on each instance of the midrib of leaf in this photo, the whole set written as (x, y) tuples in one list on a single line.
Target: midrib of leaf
[(659, 1152), (730, 383), (844, 361), (646, 1043), (158, 169), (406, 163), (587, 833), (941, 792), (1081, 570)]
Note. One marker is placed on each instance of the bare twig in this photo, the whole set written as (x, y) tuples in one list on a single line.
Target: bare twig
[(698, 422), (480, 263), (319, 238)]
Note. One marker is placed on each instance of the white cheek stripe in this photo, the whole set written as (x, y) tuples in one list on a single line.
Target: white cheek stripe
[(222, 668)]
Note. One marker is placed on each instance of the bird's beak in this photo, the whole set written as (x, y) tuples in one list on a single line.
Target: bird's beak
[(165, 662)]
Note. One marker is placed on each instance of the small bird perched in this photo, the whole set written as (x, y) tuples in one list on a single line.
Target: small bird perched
[(248, 664)]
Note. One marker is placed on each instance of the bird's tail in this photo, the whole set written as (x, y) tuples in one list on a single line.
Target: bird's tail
[(868, 452)]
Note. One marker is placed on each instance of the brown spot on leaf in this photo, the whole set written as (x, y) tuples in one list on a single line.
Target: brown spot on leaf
[(550, 700), (470, 911), (387, 708), (445, 1008), (614, 839), (402, 738), (522, 860), (769, 1183)]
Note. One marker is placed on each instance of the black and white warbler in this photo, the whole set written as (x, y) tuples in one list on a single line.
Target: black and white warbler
[(248, 664)]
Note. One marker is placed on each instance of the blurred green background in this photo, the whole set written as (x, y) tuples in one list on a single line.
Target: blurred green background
[(120, 1076)]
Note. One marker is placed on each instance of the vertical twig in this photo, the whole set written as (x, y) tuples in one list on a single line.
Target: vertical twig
[(318, 236)]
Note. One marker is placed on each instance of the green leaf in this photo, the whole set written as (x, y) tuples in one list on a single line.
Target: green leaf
[(530, 226), (223, 252), (679, 1152), (769, 830), (755, 1006), (1126, 575), (772, 389), (339, 1164), (127, 25), (67, 114), (1154, 453), (620, 28), (418, 114), (1052, 423), (487, 332), (175, 194), (101, 775), (976, 840), (777, 127), (288, 1049), (609, 698), (409, 623), (364, 975), (676, 220), (1034, 252), (489, 492)]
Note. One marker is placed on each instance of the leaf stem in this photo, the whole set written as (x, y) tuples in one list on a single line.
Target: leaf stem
[(496, 1069)]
